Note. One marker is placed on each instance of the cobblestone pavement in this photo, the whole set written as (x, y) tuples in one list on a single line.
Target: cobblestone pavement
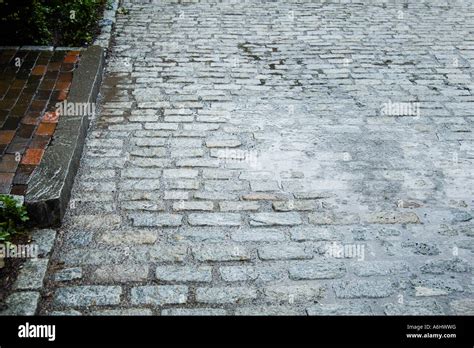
[(277, 158)]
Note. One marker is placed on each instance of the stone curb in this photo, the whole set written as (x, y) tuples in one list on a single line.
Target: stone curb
[(106, 24), (50, 186)]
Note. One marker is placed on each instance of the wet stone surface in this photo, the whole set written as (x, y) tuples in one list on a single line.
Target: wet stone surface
[(259, 157)]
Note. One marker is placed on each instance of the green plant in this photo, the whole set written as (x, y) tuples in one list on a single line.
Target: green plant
[(13, 216), (49, 22)]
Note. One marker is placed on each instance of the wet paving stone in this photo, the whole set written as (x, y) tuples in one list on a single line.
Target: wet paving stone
[(255, 157)]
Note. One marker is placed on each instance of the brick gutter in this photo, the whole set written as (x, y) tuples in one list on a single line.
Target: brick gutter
[(49, 190), (50, 187)]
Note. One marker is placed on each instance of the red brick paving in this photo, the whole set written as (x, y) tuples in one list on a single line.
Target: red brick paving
[(28, 95), (6, 180), (46, 129), (39, 70), (32, 156), (51, 117), (62, 85), (6, 136), (9, 164), (71, 59)]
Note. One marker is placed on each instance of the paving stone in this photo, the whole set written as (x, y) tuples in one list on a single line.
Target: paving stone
[(201, 234), (183, 205), (21, 303), (461, 216), (422, 248), (208, 173), (176, 195), (184, 274), (142, 184), (379, 268), (31, 275), (298, 205), (332, 219), (149, 142), (68, 274), (239, 206), (258, 235), (104, 163), (301, 234), (198, 163), (117, 255), (316, 269), (236, 179), (159, 295), (180, 173), (456, 265), (88, 295), (345, 308), (294, 293), (268, 311), (123, 312), (264, 186), (223, 143), (238, 273), (70, 312), (312, 195), (213, 195), (414, 308), (214, 219), (393, 218), (264, 196), (183, 184), (462, 306), (97, 222), (78, 238), (284, 252), (128, 237), (186, 152), (98, 186), (165, 253), (194, 312), (120, 273), (252, 273), (186, 142), (435, 287), (219, 252), (44, 239), (225, 295), (150, 162), (114, 143), (225, 185), (154, 220), (364, 289), (142, 205), (275, 219), (141, 173)]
